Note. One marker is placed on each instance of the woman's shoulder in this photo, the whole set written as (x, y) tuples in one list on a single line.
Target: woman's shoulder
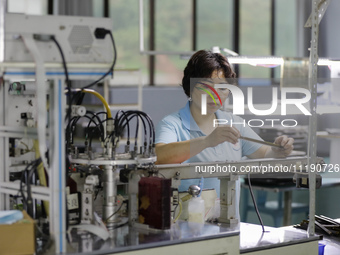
[(172, 118)]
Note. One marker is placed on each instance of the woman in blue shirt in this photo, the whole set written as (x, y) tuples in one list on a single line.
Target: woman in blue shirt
[(190, 136)]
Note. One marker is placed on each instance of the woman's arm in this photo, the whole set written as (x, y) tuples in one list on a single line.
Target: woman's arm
[(179, 152)]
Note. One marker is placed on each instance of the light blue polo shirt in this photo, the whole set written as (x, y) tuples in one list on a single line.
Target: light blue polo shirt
[(181, 126)]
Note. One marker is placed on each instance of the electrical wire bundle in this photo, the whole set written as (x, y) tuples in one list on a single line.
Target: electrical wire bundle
[(121, 124), (122, 121), (89, 133), (115, 129), (26, 177), (100, 33)]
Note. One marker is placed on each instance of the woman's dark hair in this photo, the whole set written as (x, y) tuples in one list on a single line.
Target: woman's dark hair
[(202, 64)]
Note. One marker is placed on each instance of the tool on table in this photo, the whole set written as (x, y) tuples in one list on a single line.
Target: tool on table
[(323, 224)]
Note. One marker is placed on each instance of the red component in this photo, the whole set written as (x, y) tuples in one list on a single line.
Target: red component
[(154, 202)]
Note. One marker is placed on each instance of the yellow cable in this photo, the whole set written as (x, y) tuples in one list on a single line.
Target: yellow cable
[(186, 198), (101, 98), (180, 211), (41, 174)]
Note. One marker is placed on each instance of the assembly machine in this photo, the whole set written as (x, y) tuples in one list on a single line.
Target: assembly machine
[(40, 151), (33, 103)]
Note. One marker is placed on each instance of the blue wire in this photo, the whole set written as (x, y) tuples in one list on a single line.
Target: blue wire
[(201, 185)]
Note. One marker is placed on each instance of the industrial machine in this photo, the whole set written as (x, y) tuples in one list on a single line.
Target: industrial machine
[(121, 201)]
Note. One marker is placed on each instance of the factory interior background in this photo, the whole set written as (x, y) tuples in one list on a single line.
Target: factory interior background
[(177, 28)]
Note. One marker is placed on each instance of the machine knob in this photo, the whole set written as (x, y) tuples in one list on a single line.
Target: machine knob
[(194, 190)]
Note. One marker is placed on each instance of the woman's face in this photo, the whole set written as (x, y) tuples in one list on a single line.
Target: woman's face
[(205, 86)]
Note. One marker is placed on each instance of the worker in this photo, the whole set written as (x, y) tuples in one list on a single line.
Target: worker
[(190, 136)]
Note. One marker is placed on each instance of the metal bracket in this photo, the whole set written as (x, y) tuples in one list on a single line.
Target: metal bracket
[(87, 208), (228, 200), (322, 7)]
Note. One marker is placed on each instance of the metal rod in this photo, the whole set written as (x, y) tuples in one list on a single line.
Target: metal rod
[(106, 8), (50, 7), (272, 34), (152, 40), (141, 26), (236, 31), (261, 142), (110, 194), (194, 25), (3, 8), (312, 127)]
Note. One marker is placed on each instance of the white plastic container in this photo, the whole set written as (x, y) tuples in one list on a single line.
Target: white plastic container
[(196, 210)]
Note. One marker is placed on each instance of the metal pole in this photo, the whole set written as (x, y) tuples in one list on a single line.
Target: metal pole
[(272, 34), (3, 9), (3, 158), (110, 194), (194, 25), (312, 139), (236, 31), (56, 7), (106, 8), (57, 174), (152, 44), (141, 26)]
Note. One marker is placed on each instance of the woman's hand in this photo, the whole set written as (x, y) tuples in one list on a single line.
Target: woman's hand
[(266, 151), (287, 146), (222, 134)]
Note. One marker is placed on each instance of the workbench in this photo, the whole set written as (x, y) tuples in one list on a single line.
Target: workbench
[(191, 238)]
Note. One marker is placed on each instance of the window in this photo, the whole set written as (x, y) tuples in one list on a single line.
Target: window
[(125, 22), (285, 29), (32, 7), (255, 20), (214, 26), (173, 26)]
